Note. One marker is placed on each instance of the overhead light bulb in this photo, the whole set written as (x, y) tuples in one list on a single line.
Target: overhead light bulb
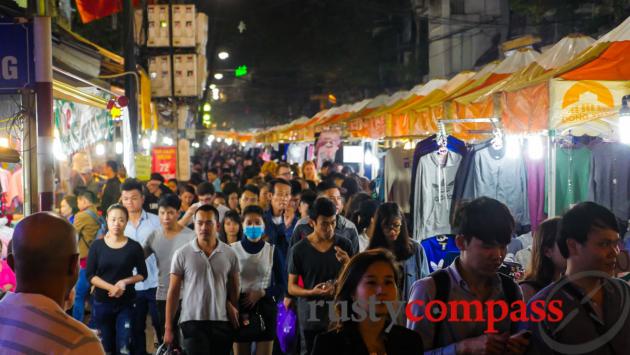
[(218, 76), (213, 86), (219, 140), (195, 144), (4, 142), (119, 148), (223, 55), (100, 149)]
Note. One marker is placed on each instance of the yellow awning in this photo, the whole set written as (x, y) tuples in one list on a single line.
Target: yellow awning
[(64, 91)]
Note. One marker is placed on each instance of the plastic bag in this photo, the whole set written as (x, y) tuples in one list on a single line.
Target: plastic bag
[(286, 328)]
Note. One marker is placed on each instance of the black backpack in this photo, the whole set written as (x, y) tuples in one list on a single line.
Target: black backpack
[(443, 287)]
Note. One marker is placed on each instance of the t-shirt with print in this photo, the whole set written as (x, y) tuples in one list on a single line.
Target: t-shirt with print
[(315, 267)]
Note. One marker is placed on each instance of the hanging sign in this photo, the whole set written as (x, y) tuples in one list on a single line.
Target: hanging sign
[(17, 69), (165, 161), (80, 125), (184, 160), (143, 167), (583, 105)]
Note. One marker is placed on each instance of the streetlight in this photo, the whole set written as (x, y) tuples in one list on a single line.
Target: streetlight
[(218, 76), (223, 55)]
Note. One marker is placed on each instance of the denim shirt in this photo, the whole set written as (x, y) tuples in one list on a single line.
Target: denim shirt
[(414, 269), (146, 225)]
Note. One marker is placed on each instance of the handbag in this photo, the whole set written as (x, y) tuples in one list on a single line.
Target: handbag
[(252, 324)]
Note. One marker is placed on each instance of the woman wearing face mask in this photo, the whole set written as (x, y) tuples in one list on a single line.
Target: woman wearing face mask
[(261, 282), (231, 228), (368, 276), (391, 233)]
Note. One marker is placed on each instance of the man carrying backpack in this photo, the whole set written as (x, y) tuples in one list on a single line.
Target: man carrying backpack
[(88, 223), (483, 230)]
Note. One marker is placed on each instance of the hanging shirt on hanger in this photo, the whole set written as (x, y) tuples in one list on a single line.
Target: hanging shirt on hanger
[(424, 147), (435, 179), (536, 191), (397, 175), (610, 178), (493, 174), (439, 250), (573, 166)]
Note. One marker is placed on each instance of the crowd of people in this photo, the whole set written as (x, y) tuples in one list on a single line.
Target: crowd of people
[(212, 259)]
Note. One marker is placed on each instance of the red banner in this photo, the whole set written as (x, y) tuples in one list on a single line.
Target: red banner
[(164, 161), (91, 10)]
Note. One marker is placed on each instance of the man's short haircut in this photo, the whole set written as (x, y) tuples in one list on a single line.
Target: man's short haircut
[(326, 185), (231, 188), (112, 164), (207, 208), (327, 164), (170, 200), (296, 187), (131, 184), (580, 220), (219, 195), (486, 219), (252, 209), (322, 207), (282, 165), (308, 197), (187, 188), (88, 195), (205, 188), (274, 182), (252, 188), (215, 171), (157, 177)]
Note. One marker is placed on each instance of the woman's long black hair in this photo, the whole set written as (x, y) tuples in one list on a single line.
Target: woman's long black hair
[(402, 247)]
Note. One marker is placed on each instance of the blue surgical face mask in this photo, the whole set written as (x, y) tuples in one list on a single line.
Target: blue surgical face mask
[(254, 233)]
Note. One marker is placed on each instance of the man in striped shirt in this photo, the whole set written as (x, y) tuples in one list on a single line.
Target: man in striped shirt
[(46, 265)]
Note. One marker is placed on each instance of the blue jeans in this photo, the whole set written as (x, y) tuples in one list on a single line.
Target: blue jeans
[(145, 304), (81, 291), (114, 322)]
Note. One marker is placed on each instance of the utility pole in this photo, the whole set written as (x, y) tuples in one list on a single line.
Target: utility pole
[(39, 164), (129, 52)]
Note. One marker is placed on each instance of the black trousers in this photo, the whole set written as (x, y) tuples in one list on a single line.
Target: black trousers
[(161, 309), (207, 337)]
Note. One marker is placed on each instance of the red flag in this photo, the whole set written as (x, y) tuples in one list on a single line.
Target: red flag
[(91, 10)]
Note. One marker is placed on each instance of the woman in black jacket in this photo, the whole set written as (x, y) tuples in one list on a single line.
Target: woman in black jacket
[(368, 276)]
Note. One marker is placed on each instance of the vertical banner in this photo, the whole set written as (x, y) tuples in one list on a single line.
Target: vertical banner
[(143, 167), (164, 161), (183, 164)]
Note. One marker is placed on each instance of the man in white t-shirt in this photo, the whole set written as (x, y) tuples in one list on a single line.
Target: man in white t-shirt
[(32, 320)]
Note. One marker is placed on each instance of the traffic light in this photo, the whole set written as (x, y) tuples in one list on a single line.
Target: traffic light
[(206, 118)]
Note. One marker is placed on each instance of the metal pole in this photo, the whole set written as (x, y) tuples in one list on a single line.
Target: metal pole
[(43, 89), (130, 66), (29, 155)]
